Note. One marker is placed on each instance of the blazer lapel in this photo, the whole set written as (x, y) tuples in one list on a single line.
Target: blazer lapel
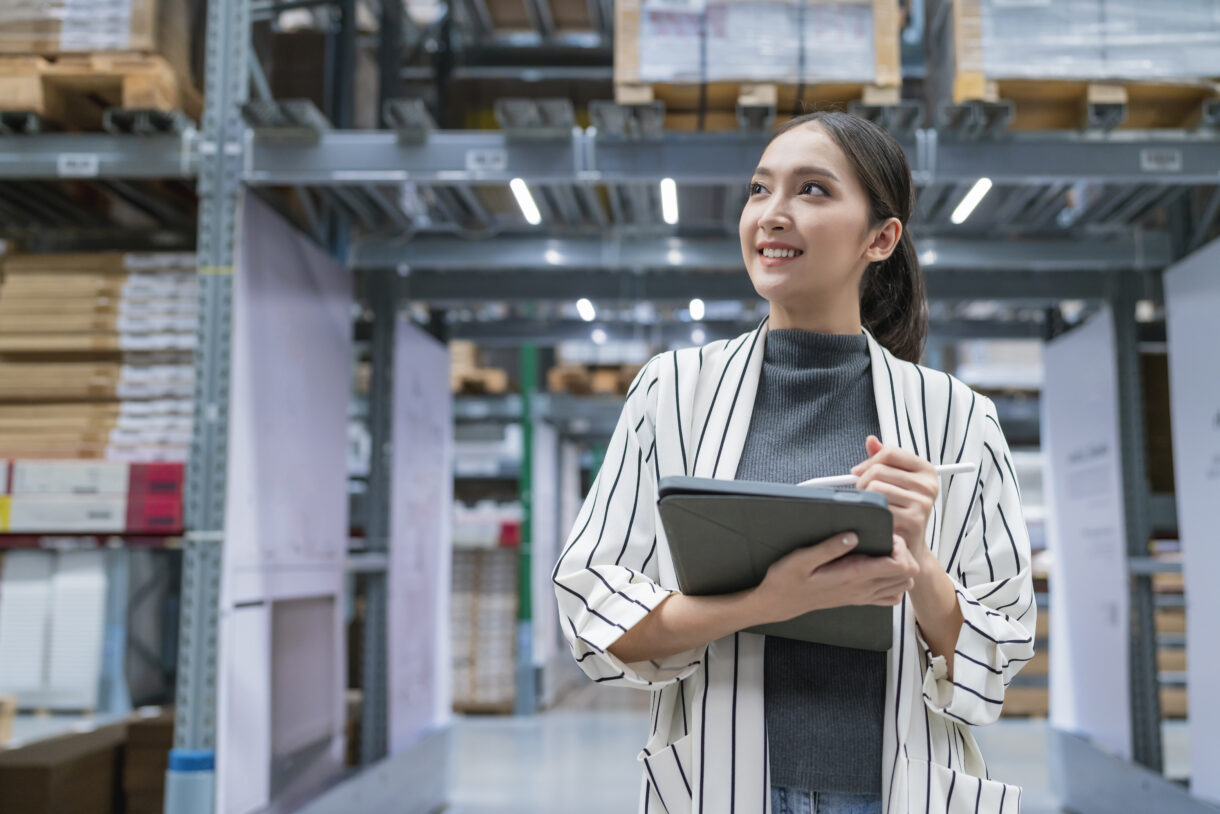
[(733, 386), (888, 392)]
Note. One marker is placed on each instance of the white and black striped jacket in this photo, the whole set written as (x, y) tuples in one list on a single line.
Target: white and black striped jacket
[(688, 413)]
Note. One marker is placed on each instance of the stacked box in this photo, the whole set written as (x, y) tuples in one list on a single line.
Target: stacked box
[(52, 610), (150, 736), (91, 497), (775, 41), (77, 772), (1098, 39), (96, 356), (54, 27), (484, 629)]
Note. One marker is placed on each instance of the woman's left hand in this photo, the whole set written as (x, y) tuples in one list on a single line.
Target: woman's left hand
[(909, 483)]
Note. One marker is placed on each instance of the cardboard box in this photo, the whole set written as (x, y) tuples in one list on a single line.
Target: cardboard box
[(150, 736), (69, 478), (49, 28), (75, 773), (154, 514), (52, 513)]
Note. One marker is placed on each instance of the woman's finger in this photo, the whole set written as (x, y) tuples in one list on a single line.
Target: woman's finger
[(917, 482)]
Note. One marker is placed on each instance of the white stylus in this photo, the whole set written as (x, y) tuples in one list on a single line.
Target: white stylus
[(850, 480)]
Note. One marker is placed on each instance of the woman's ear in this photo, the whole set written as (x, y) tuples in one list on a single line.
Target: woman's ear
[(884, 241)]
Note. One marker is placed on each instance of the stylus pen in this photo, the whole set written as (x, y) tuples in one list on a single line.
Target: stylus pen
[(850, 480)]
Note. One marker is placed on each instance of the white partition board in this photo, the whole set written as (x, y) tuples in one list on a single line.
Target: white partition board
[(1192, 300), (1089, 683), (420, 530), (286, 515)]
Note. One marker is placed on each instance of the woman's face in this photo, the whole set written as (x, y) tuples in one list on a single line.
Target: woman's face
[(807, 208)]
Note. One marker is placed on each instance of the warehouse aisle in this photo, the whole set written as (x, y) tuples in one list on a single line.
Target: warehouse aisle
[(541, 764)]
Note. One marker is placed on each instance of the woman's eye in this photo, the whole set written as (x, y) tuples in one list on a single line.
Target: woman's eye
[(756, 188), (808, 189)]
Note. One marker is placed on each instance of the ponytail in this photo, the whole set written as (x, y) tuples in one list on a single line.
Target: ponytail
[(894, 302), (893, 298)]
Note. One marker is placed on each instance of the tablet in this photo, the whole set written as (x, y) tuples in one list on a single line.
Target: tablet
[(724, 535)]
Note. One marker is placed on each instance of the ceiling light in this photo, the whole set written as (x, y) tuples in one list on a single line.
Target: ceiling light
[(586, 310), (525, 201), (669, 201), (599, 336), (696, 309), (981, 188)]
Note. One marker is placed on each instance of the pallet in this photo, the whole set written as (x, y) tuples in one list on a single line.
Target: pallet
[(720, 106), (8, 711), (509, 17), (478, 381), (584, 380), (484, 708), (761, 101), (1065, 104), (972, 96), (75, 91)]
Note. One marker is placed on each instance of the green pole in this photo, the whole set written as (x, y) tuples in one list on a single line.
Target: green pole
[(527, 678), (529, 383)]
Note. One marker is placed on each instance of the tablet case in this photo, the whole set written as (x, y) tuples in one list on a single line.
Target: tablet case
[(723, 535)]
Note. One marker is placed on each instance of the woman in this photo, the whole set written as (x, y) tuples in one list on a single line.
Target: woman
[(828, 383)]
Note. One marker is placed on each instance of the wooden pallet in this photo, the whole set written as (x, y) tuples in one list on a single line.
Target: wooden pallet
[(477, 381), (8, 711), (719, 106), (1065, 104), (583, 380), (956, 73), (73, 91)]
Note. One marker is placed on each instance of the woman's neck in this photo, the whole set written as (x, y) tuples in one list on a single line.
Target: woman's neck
[(842, 321)]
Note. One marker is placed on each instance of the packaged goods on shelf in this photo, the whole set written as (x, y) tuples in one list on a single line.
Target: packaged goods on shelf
[(150, 735), (484, 623), (1053, 61), (60, 56), (487, 524), (96, 356), (76, 772), (703, 59), (52, 609)]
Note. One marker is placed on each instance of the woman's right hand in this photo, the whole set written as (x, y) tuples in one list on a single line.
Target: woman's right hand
[(828, 575)]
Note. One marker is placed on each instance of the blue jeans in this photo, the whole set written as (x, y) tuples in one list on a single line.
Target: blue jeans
[(797, 801)]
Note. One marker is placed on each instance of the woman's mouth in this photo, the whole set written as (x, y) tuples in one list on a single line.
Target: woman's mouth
[(776, 257)]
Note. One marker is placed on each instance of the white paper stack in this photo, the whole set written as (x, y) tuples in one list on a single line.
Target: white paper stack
[(756, 41), (1101, 39), (96, 355)]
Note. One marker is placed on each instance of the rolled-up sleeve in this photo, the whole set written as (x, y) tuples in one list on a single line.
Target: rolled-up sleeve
[(606, 579), (995, 593)]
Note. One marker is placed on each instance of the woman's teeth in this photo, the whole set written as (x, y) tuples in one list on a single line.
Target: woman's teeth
[(780, 252)]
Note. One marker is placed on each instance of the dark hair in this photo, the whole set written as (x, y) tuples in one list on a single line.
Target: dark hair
[(893, 298)]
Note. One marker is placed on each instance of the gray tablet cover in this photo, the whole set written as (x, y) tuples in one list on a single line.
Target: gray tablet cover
[(723, 535)]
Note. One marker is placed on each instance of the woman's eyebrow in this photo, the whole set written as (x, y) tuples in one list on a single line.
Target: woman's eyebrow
[(763, 171)]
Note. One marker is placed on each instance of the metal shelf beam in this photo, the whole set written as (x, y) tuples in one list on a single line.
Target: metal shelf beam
[(455, 287), (461, 157), (98, 155), (1133, 252)]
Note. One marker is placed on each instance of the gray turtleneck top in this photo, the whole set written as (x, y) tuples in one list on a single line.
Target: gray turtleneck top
[(824, 704)]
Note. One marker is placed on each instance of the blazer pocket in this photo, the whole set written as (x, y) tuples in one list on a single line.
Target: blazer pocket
[(951, 792), (668, 772)]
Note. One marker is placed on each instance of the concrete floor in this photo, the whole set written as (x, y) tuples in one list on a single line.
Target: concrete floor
[(541, 764)]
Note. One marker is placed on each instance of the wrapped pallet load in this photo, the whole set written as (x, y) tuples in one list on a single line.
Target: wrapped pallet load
[(707, 57), (1159, 62)]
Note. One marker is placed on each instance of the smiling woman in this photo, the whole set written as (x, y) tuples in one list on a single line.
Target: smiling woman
[(830, 382), (823, 232)]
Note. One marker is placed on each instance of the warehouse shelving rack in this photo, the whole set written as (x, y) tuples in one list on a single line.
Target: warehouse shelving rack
[(1035, 242)]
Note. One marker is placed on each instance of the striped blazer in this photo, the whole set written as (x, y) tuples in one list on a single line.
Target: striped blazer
[(688, 413)]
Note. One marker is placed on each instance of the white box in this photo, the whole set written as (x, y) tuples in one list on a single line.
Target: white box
[(69, 478), (39, 513)]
